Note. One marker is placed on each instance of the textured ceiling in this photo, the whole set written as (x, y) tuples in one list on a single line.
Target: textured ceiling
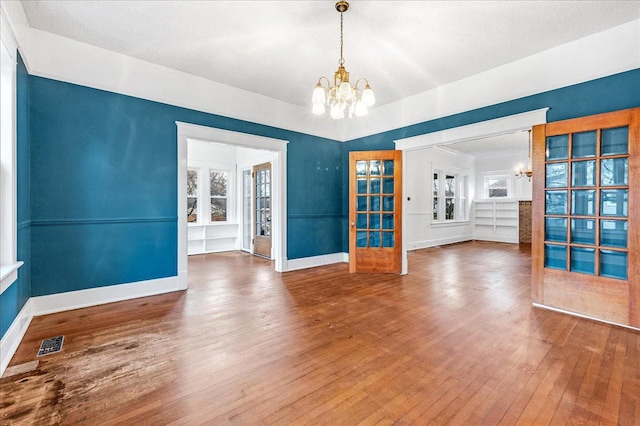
[(280, 49)]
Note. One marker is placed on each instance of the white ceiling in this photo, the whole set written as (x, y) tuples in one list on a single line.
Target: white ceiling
[(280, 48), (495, 146)]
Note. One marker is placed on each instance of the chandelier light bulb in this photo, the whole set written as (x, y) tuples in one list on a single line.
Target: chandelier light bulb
[(367, 96), (318, 108), (319, 95), (336, 112), (361, 108)]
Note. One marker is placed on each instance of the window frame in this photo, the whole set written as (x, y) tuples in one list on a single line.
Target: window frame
[(460, 197), (203, 210), (8, 167), (497, 175)]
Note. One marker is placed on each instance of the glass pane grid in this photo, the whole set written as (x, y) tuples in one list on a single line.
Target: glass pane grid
[(375, 188), (586, 202)]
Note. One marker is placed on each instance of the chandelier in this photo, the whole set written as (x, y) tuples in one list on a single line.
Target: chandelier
[(521, 172), (342, 97)]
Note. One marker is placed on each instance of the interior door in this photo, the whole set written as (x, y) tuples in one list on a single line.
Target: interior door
[(586, 213), (375, 211), (262, 210)]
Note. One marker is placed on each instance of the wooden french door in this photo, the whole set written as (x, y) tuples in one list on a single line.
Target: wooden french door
[(262, 210), (586, 216), (375, 211)]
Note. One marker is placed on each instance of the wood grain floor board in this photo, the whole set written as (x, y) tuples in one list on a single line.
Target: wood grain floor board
[(454, 342)]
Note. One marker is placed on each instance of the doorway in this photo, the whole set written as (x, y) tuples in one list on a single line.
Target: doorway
[(278, 150)]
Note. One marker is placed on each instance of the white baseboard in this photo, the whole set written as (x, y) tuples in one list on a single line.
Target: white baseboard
[(438, 242), (313, 261), (42, 305), (59, 302), (13, 336)]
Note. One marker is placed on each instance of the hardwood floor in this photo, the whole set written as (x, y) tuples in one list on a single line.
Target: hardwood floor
[(454, 342)]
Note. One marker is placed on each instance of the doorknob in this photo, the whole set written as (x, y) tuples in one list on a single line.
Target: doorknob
[(353, 224)]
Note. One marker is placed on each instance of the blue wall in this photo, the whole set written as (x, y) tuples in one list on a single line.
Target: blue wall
[(104, 184), (15, 297), (613, 93)]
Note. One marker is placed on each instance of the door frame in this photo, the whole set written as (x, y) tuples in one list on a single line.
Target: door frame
[(483, 129), (187, 131)]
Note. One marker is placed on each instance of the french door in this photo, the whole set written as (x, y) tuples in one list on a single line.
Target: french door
[(375, 211), (262, 210), (586, 216)]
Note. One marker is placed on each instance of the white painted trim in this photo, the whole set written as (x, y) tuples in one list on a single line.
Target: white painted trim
[(12, 338), (575, 314), (484, 129), (439, 242), (60, 58), (8, 275), (186, 132), (52, 303), (314, 261)]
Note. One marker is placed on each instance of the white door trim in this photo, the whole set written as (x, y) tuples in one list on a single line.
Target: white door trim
[(186, 132), (484, 129)]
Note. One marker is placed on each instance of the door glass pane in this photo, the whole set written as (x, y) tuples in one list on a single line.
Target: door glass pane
[(614, 171), (388, 203), (555, 256), (374, 186), (583, 202), (615, 141), (246, 209), (556, 175), (555, 229), (388, 167), (583, 231), (361, 238), (374, 204), (374, 167), (374, 221), (615, 202), (361, 186), (583, 173), (557, 147), (583, 144), (387, 221), (361, 221), (613, 264), (613, 233), (361, 168), (556, 202), (387, 240), (361, 203), (374, 239), (583, 260), (387, 184)]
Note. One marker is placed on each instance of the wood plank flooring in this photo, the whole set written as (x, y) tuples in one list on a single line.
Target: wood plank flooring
[(454, 342)]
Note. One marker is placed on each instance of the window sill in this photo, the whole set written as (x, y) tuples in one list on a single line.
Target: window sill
[(450, 223), (8, 274)]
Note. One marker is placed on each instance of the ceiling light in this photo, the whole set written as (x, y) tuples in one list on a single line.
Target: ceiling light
[(342, 98)]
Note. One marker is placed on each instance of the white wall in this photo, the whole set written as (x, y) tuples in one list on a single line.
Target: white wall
[(503, 164), (419, 167)]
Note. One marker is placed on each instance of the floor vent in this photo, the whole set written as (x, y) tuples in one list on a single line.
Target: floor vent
[(51, 346)]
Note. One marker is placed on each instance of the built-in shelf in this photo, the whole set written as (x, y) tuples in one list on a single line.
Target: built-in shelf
[(496, 220), (214, 237)]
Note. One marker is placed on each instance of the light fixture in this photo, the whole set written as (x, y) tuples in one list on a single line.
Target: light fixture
[(342, 98), (527, 172)]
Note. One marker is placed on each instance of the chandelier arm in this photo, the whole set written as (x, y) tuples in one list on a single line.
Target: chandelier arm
[(359, 80), (326, 79)]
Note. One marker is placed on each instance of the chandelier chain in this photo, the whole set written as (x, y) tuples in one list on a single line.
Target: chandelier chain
[(341, 61)]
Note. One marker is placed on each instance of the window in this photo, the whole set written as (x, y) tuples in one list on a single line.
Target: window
[(218, 188), (210, 195), (8, 228), (449, 196), (192, 195), (497, 186)]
